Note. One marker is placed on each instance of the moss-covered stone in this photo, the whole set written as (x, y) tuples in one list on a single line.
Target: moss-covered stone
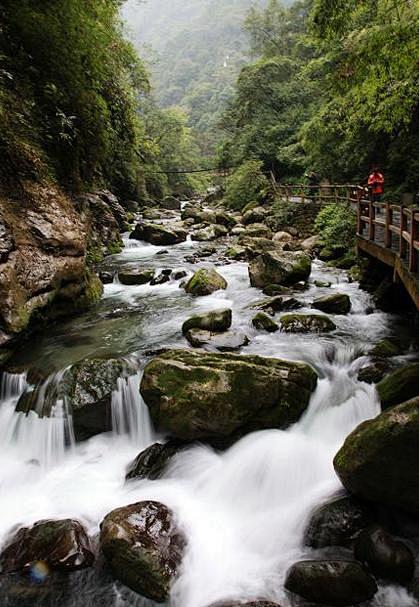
[(136, 276), (229, 341), (193, 395), (386, 348), (157, 234), (306, 323), (379, 459), (262, 322), (279, 267), (217, 321), (205, 281), (399, 386), (237, 253), (335, 303), (152, 462)]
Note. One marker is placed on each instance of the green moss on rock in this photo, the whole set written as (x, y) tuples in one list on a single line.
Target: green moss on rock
[(399, 386), (204, 282), (306, 323)]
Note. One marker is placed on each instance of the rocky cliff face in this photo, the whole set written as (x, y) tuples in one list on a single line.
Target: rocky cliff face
[(46, 239)]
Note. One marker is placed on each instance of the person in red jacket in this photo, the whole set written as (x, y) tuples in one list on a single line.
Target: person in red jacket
[(376, 184)]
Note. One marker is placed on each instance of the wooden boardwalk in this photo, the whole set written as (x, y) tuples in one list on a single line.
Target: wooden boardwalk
[(385, 231)]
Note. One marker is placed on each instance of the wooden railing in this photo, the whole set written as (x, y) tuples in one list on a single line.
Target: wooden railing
[(321, 194), (393, 227)]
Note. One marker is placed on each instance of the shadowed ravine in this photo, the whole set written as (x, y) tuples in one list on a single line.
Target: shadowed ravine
[(243, 511)]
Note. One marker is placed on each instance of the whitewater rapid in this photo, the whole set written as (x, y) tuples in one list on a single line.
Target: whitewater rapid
[(244, 511)]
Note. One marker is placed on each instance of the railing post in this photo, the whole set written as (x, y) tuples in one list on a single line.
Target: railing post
[(403, 225), (413, 254), (371, 231), (389, 219), (359, 213)]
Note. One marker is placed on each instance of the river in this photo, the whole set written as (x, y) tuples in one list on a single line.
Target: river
[(244, 510)]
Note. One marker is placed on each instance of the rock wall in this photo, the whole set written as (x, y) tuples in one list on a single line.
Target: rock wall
[(46, 238)]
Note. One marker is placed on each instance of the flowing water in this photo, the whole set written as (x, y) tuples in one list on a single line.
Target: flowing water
[(244, 511)]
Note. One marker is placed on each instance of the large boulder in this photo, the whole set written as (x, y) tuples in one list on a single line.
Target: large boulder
[(215, 321), (335, 303), (378, 460), (399, 386), (282, 237), (193, 395), (157, 234), (340, 583), (63, 545), (136, 276), (337, 523), (229, 341), (204, 282), (170, 203), (280, 268), (386, 557), (152, 462), (256, 230), (87, 386), (144, 547), (306, 323), (211, 232), (256, 215), (262, 322)]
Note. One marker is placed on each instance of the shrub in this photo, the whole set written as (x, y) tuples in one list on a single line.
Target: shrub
[(246, 184), (336, 225)]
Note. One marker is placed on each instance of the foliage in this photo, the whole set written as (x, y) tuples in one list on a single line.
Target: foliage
[(247, 184), (336, 225)]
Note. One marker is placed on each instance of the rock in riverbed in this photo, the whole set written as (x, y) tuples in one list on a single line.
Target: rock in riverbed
[(262, 322), (193, 395), (378, 460), (399, 386), (157, 234), (205, 281), (144, 547), (63, 545), (336, 303), (279, 268), (229, 341), (306, 323), (136, 276), (215, 321), (151, 462), (334, 583), (256, 603)]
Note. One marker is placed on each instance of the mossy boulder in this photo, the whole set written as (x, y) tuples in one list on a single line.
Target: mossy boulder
[(335, 303), (152, 462), (306, 323), (386, 348), (158, 234), (217, 397), (237, 253), (87, 386), (136, 276), (205, 281), (262, 322), (378, 461), (280, 268), (399, 386), (333, 583), (229, 341), (216, 321), (62, 544), (337, 523), (256, 230), (374, 372), (209, 233), (144, 547)]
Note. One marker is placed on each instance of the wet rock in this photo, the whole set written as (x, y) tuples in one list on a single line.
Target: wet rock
[(205, 281), (255, 246), (399, 386), (179, 274), (152, 462), (106, 277), (335, 303), (255, 603), (63, 545), (386, 557), (282, 237), (256, 230), (322, 284), (161, 279), (337, 523), (256, 215), (211, 232), (195, 395), (170, 203), (374, 372), (262, 322), (215, 321), (306, 323), (278, 304), (87, 386), (386, 348), (282, 268), (274, 290), (225, 219), (144, 547), (237, 253), (224, 342), (157, 234), (378, 461), (191, 212), (311, 244), (136, 276), (333, 583)]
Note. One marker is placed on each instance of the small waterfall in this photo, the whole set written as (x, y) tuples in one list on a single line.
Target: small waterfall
[(130, 415), (12, 385)]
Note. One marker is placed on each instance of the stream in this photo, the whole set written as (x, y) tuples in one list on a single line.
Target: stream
[(244, 510)]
